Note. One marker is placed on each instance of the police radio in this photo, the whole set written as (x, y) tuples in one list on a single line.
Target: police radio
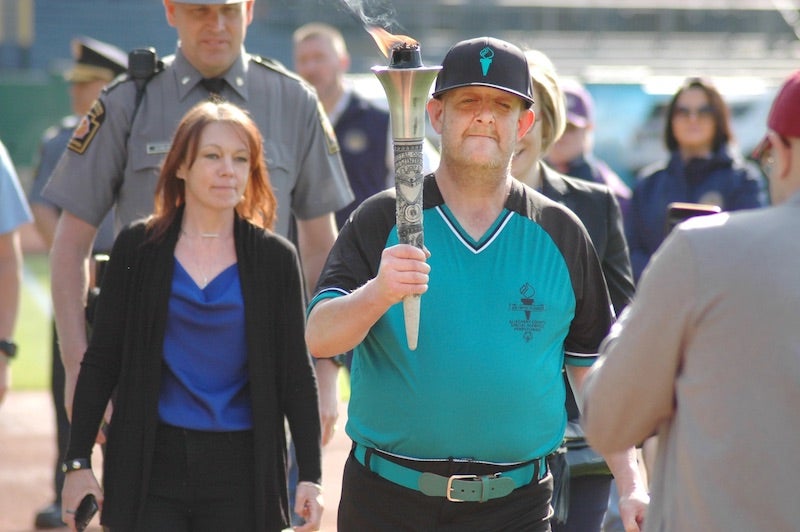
[(143, 64)]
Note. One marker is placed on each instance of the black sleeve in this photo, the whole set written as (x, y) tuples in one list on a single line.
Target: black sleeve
[(300, 401), (616, 262), (101, 363), (356, 255)]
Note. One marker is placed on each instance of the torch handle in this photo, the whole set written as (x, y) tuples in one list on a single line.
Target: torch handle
[(408, 185)]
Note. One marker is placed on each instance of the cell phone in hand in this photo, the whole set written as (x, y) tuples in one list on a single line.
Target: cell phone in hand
[(85, 512), (678, 212)]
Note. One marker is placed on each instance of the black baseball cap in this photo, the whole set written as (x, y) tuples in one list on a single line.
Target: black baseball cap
[(487, 62)]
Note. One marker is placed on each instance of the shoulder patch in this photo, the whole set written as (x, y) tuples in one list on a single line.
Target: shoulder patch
[(87, 129)]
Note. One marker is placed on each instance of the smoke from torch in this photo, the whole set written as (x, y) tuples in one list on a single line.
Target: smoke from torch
[(407, 84)]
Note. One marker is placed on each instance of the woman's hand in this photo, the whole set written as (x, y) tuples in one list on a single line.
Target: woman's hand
[(77, 485)]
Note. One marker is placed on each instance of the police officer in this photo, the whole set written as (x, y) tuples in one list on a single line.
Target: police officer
[(95, 64), (114, 155)]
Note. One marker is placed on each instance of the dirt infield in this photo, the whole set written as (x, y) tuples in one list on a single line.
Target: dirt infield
[(27, 455)]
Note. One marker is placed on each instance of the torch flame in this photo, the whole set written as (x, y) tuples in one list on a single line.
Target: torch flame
[(386, 41)]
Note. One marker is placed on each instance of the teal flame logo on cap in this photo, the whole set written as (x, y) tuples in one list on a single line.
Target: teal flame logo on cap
[(487, 54)]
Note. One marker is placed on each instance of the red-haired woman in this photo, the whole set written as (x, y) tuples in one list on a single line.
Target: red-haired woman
[(199, 329)]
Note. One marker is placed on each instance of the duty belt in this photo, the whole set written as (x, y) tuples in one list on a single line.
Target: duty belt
[(456, 488)]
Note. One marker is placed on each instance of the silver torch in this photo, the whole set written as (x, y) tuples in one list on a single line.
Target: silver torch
[(407, 84)]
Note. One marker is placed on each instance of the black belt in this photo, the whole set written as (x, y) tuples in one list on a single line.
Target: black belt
[(456, 488)]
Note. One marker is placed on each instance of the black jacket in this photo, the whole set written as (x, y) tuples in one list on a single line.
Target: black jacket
[(599, 211), (125, 353)]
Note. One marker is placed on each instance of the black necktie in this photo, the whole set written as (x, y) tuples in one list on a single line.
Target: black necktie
[(213, 86)]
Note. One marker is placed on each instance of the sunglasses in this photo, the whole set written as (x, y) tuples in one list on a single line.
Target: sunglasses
[(681, 111)]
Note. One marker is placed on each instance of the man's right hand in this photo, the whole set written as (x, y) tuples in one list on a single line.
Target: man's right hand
[(336, 325), (403, 272)]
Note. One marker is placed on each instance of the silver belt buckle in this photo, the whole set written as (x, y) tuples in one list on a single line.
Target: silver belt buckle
[(450, 485)]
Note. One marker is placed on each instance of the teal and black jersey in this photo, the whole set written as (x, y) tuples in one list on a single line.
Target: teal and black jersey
[(500, 318)]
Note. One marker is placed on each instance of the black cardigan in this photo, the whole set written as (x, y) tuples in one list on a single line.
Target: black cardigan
[(599, 211), (125, 353)]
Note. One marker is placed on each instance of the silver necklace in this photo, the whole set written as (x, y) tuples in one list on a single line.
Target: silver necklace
[(197, 261), (202, 235)]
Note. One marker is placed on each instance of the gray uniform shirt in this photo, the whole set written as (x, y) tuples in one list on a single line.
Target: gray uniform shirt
[(114, 157), (54, 142)]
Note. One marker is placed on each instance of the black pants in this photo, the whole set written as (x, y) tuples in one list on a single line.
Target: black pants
[(370, 502), (57, 379), (201, 481), (588, 501)]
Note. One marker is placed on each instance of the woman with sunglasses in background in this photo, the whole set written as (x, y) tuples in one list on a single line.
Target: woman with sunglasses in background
[(704, 167)]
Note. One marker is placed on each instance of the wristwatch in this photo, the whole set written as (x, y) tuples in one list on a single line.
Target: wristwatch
[(8, 348)]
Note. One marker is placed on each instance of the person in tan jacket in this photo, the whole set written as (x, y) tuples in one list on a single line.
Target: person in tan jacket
[(708, 356)]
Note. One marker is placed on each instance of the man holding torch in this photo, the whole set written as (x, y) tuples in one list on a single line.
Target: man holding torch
[(454, 435)]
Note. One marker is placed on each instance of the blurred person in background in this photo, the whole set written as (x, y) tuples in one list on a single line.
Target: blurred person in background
[(572, 153), (362, 128), (14, 212), (95, 64), (703, 167), (708, 355), (597, 208)]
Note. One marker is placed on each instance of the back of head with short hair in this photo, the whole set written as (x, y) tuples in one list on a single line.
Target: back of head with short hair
[(320, 30)]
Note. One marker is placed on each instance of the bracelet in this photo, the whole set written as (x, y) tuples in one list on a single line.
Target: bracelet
[(309, 483), (76, 464)]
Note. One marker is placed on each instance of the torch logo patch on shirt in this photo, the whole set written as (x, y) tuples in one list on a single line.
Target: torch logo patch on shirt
[(531, 309), (87, 128)]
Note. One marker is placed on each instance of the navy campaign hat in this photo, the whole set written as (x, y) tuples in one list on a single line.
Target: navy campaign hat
[(488, 62), (95, 60)]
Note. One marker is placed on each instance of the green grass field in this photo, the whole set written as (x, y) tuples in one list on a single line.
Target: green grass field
[(31, 367)]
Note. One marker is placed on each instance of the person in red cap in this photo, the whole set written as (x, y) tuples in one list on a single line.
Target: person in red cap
[(708, 356), (455, 434)]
